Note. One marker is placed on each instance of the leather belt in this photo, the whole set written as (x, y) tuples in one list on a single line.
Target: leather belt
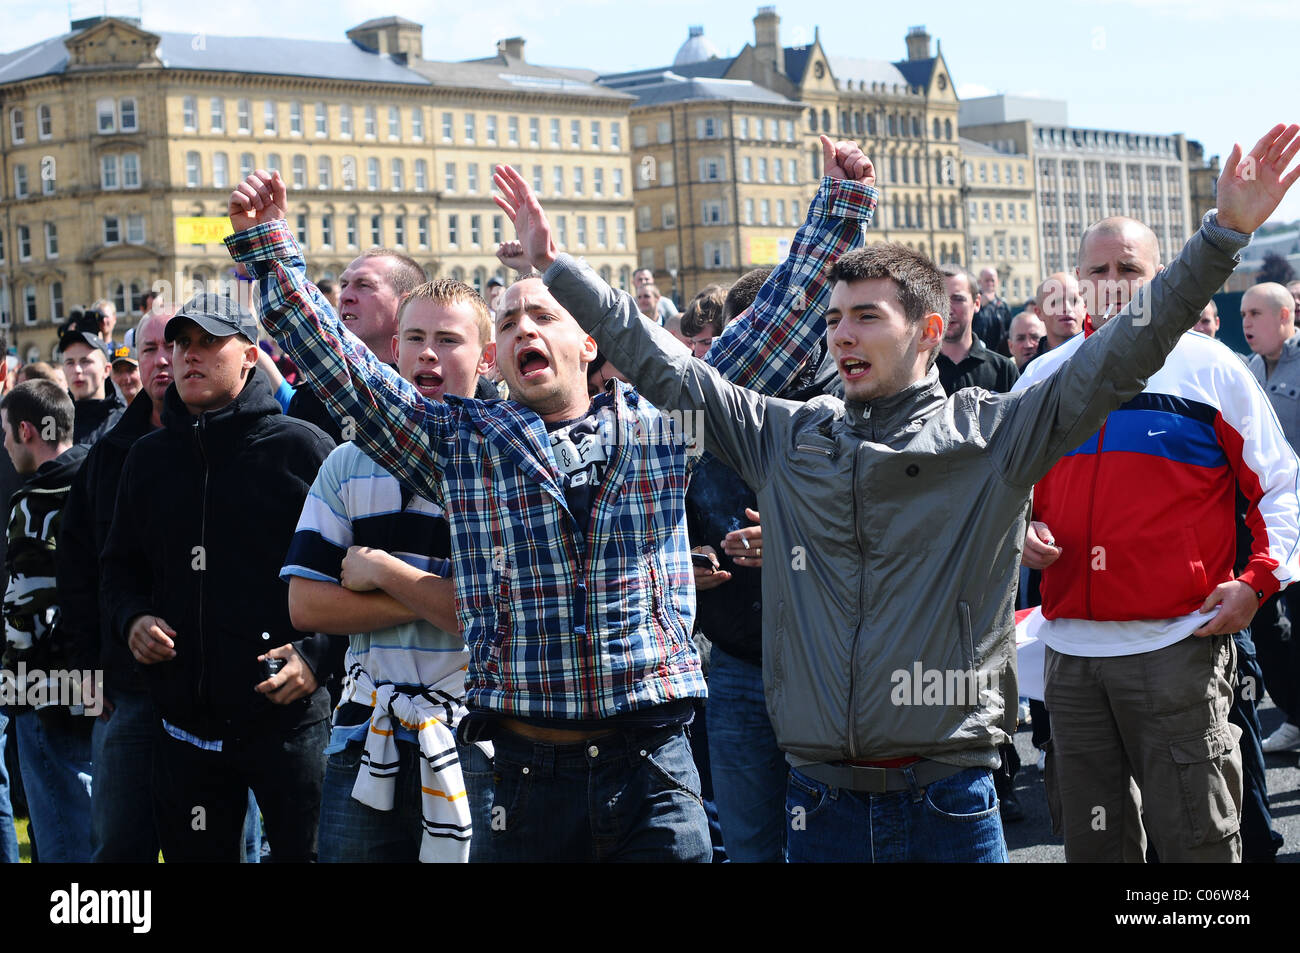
[(552, 736), (879, 780)]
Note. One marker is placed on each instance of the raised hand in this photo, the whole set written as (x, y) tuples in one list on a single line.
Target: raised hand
[(518, 201), (844, 160), (511, 254), (1250, 189), (262, 197)]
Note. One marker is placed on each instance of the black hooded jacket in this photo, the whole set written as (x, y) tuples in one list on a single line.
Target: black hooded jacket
[(86, 521), (92, 418), (204, 516)]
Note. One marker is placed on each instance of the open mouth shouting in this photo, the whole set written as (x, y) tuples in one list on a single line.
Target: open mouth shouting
[(852, 368), (428, 383), (532, 364)]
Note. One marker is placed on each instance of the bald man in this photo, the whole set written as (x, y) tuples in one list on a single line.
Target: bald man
[(1061, 308), (1135, 535), (993, 318), (1268, 322), (1026, 331)]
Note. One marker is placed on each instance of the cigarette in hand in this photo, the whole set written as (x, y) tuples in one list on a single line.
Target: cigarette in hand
[(744, 542)]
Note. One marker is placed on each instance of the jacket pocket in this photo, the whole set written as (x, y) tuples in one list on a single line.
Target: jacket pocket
[(966, 643)]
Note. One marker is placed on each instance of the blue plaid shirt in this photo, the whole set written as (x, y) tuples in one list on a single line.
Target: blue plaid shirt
[(560, 625)]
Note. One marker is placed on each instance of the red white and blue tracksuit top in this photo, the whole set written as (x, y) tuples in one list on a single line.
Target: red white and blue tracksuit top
[(1151, 497)]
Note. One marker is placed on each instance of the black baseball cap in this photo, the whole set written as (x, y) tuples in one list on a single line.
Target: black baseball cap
[(217, 314), (125, 353), (75, 336), (494, 281)]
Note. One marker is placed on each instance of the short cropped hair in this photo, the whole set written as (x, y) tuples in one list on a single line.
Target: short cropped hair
[(37, 403), (953, 271), (743, 292), (920, 285), (705, 310), (449, 291), (406, 273), (39, 371)]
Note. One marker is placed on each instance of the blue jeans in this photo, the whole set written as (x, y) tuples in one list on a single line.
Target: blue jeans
[(955, 819), (355, 833), (631, 796), (55, 756), (749, 770), (121, 813), (8, 835)]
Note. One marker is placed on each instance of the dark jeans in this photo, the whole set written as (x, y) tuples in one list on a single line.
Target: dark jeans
[(201, 797), (121, 815), (1259, 842), (8, 836), (356, 833), (1275, 630), (953, 820), (630, 796)]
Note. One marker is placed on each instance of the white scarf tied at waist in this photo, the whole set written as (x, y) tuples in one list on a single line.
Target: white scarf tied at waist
[(433, 716)]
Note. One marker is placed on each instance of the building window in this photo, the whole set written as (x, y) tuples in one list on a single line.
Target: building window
[(24, 243), (44, 122), (106, 117), (372, 173), (108, 172), (421, 175), (327, 229), (245, 165), (396, 172), (602, 235), (371, 129), (29, 304), (56, 300), (562, 230), (300, 172), (706, 127), (469, 127), (666, 174), (471, 177), (322, 121), (582, 231), (498, 230), (575, 134), (764, 212), (193, 172), (268, 118), (345, 120), (618, 182), (350, 230), (664, 131), (417, 123), (135, 229), (616, 135), (399, 231), (216, 114), (449, 177), (762, 170), (273, 161), (490, 130), (746, 169), (112, 230), (453, 227), (557, 180), (51, 240), (555, 133), (446, 127), (620, 230), (376, 230), (394, 123), (220, 170), (242, 113), (947, 129), (300, 233), (537, 179), (476, 230), (422, 231), (711, 170), (534, 131), (749, 212), (711, 212), (577, 181), (595, 137), (598, 182), (643, 218), (324, 168)]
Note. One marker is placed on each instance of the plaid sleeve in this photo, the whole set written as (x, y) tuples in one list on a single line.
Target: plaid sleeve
[(389, 419), (764, 347)]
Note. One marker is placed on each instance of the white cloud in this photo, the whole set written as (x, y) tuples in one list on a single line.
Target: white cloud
[(974, 91)]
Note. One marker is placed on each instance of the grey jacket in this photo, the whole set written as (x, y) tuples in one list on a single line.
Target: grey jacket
[(893, 529), (1283, 388)]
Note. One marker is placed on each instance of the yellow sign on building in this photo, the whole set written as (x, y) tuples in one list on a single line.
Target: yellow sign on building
[(202, 231), (768, 250)]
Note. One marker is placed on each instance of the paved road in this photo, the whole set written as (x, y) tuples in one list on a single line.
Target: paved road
[(1032, 840)]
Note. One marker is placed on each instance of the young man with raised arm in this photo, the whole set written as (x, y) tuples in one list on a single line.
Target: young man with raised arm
[(888, 661), (569, 547)]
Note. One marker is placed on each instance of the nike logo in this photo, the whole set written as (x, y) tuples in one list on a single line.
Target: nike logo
[(1152, 433)]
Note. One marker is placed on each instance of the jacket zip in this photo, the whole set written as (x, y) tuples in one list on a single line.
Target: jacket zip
[(862, 560), (811, 449), (203, 544), (1092, 495)]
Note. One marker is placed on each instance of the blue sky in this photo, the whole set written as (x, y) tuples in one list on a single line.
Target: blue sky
[(1214, 70)]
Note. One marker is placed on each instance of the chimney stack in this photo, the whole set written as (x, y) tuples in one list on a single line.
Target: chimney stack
[(767, 39), (918, 43), (513, 47)]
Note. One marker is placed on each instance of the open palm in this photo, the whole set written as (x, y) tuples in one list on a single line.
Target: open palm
[(1251, 189), (518, 201)]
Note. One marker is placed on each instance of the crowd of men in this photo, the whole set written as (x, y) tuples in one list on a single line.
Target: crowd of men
[(488, 584)]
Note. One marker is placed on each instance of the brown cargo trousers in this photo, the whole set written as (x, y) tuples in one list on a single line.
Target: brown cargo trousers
[(1155, 722)]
